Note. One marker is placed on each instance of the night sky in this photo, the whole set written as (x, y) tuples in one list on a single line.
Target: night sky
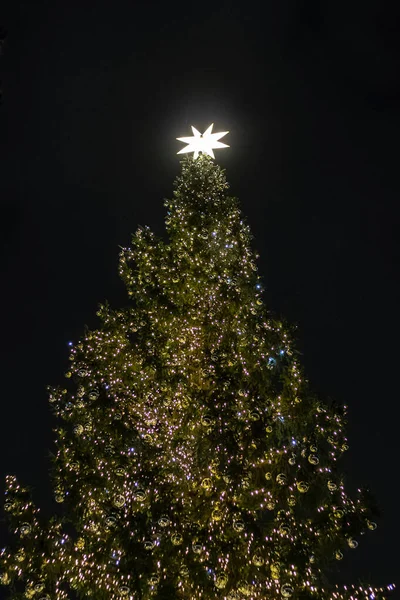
[(94, 95)]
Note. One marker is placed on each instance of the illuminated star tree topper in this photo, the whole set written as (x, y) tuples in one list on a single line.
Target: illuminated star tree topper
[(203, 142)]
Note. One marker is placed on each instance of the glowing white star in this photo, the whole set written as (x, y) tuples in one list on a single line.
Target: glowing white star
[(203, 142)]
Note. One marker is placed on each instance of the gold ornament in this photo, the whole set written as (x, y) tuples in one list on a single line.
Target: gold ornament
[(292, 460), (352, 543), (119, 501), (206, 483), (284, 529), (302, 486), (221, 580), (268, 429), (206, 420), (120, 472), (148, 545), (184, 572), (254, 415), (270, 505), (313, 459), (217, 514), (164, 521), (338, 555), (292, 500), (20, 555), (93, 394), (258, 559), (80, 543), (268, 475), (275, 570), (245, 588), (80, 392), (197, 547), (140, 495), (332, 486), (25, 529), (371, 525), (153, 579), (338, 513), (287, 590), (124, 590), (177, 539), (238, 525), (281, 479), (78, 429), (38, 587), (313, 448), (4, 579), (345, 447), (110, 521), (312, 558)]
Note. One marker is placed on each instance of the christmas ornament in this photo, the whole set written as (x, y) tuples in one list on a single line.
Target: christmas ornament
[(140, 495), (313, 449), (93, 394), (177, 539), (4, 578), (269, 429), (203, 142), (148, 545), (245, 588), (110, 521), (258, 559), (352, 543), (292, 500), (270, 505), (338, 555), (164, 521), (25, 529), (80, 392), (20, 555), (78, 429), (332, 486), (268, 475), (184, 571), (303, 487), (206, 420), (338, 513), (281, 479), (120, 472), (197, 547), (238, 525), (153, 579), (313, 459), (284, 529), (287, 590), (292, 460), (124, 590), (206, 483), (38, 587), (221, 579), (312, 558), (255, 415), (119, 501), (275, 570), (217, 514), (371, 525)]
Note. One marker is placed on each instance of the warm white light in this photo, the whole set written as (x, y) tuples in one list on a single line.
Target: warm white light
[(203, 142)]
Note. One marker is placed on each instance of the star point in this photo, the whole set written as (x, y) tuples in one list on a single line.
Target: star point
[(203, 142)]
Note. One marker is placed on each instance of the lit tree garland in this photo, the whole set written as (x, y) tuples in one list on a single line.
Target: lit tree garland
[(192, 459)]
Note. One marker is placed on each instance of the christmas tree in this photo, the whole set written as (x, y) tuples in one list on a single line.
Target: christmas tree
[(193, 461)]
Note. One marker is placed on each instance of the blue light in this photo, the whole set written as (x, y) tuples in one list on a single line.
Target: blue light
[(281, 352), (70, 343), (271, 361), (294, 442)]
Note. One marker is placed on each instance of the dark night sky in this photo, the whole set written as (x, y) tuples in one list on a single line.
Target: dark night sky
[(94, 95)]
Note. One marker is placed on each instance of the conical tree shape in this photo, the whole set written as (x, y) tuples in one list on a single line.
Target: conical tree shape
[(192, 462)]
